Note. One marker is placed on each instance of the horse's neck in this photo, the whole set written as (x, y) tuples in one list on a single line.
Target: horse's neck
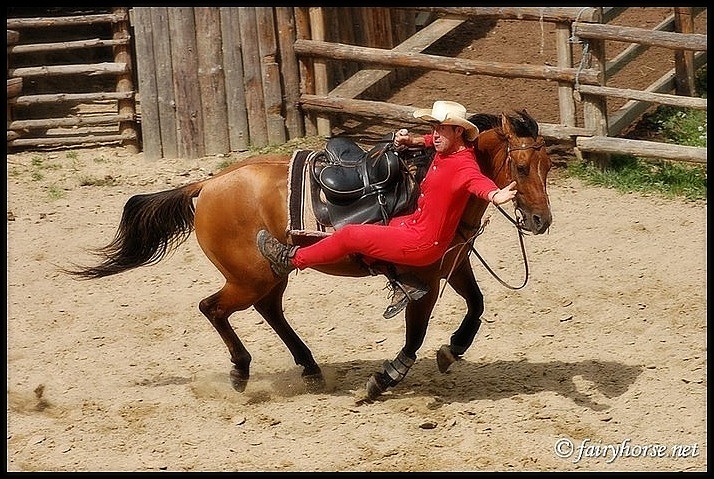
[(491, 153)]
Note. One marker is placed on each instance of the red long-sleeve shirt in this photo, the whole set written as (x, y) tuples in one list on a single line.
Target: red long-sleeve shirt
[(417, 239)]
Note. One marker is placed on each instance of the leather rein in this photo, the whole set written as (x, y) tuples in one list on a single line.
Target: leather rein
[(517, 222)]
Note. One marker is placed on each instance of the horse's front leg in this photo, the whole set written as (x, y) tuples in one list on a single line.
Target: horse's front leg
[(417, 319), (464, 283), (270, 308)]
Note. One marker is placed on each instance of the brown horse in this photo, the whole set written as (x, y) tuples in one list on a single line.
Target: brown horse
[(231, 207)]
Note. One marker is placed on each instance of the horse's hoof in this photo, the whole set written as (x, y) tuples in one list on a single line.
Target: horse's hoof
[(239, 380), (375, 387), (314, 383), (445, 358)]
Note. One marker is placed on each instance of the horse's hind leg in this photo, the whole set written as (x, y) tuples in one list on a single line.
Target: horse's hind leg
[(218, 308), (270, 307), (464, 283)]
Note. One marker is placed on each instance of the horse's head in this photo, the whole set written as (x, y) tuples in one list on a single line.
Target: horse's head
[(510, 148)]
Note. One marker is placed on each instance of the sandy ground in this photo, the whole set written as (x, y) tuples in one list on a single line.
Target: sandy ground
[(598, 364)]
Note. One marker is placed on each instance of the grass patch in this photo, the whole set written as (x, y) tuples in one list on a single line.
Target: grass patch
[(287, 148), (38, 164), (681, 126), (108, 180), (308, 142), (55, 192), (667, 124), (37, 161), (627, 173), (225, 164)]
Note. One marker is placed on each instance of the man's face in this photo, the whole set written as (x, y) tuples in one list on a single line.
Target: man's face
[(446, 137)]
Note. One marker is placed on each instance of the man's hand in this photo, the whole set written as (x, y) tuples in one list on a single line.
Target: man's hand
[(401, 139), (504, 194)]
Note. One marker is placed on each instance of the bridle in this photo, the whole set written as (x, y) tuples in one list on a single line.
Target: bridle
[(517, 222), (509, 161)]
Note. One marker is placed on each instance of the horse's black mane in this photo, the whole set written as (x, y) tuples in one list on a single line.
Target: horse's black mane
[(522, 122)]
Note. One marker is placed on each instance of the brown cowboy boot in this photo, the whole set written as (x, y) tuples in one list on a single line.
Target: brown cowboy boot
[(277, 253), (405, 288)]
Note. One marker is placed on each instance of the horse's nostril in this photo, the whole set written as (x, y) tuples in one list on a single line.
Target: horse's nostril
[(537, 221)]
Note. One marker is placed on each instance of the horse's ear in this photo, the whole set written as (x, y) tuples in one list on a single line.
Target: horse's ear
[(506, 125)]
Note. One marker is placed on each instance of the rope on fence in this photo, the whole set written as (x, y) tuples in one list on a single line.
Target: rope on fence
[(584, 59)]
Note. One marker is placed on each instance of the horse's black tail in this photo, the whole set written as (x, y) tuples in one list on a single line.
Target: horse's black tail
[(151, 226)]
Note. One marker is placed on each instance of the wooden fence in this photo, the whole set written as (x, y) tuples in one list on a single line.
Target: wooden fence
[(218, 79), (586, 82)]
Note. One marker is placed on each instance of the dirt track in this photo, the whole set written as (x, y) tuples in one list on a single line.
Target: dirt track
[(606, 344)]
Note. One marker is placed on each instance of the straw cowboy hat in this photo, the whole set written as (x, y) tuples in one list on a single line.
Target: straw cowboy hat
[(449, 113)]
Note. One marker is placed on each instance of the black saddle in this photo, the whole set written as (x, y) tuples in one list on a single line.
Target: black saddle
[(351, 185)]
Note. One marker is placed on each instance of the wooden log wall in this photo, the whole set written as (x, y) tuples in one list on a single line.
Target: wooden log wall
[(14, 85), (60, 103), (235, 80)]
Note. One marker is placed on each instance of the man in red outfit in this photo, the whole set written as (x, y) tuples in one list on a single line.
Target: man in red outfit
[(422, 237)]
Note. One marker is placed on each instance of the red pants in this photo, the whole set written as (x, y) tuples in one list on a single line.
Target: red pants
[(396, 243)]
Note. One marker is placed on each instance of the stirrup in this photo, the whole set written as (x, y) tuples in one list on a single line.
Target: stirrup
[(402, 294), (399, 301)]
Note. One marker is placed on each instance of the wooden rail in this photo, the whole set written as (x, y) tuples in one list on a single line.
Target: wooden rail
[(43, 22), (642, 36), (652, 149), (64, 46), (661, 98), (540, 14), (392, 58), (403, 114)]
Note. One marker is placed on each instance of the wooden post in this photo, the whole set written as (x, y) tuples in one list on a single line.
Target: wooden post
[(307, 72), (322, 87), (252, 77), (334, 32), (403, 27), (145, 61), (378, 34), (127, 107), (289, 71), (595, 106), (565, 60), (272, 90), (165, 95), (189, 120), (684, 59), (211, 80), (14, 86), (233, 69)]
